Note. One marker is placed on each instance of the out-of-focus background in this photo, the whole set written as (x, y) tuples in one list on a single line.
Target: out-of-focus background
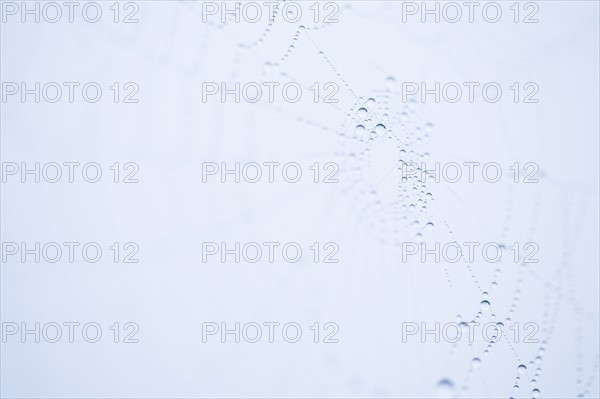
[(377, 104)]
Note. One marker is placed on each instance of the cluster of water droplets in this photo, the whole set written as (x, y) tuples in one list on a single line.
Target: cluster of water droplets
[(382, 120)]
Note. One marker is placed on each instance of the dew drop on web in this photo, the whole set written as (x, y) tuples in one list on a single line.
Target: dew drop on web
[(445, 389), (485, 305)]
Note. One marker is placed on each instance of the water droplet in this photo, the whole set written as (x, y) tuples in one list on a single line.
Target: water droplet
[(536, 393), (429, 226), (522, 369), (428, 128), (476, 362), (362, 112), (359, 130), (485, 305), (445, 389), (380, 129), (390, 81)]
